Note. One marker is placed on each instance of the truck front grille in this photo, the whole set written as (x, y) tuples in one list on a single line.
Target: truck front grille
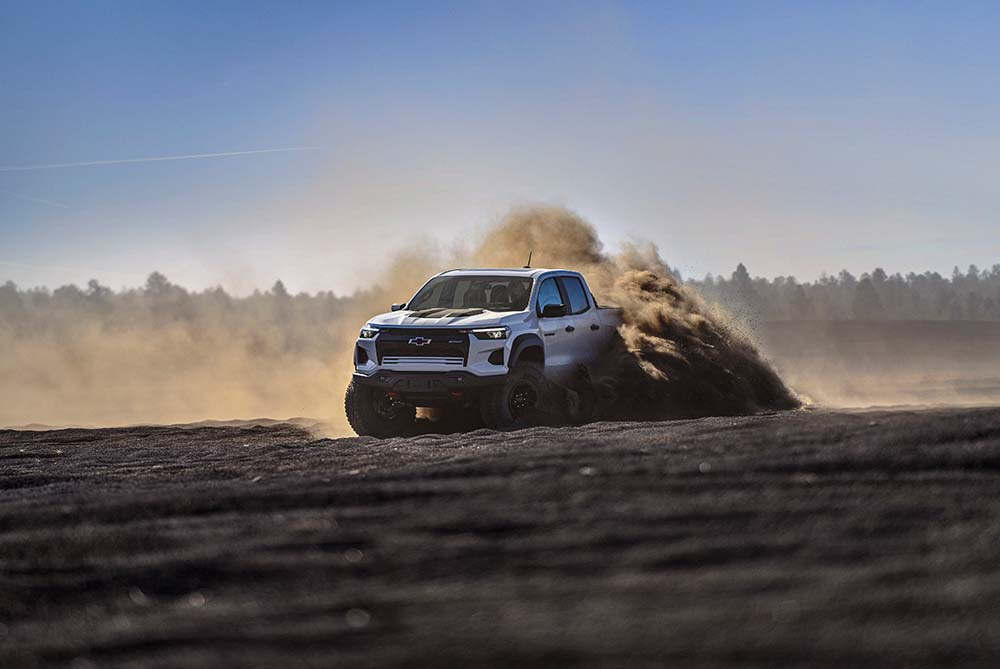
[(421, 360), (403, 345)]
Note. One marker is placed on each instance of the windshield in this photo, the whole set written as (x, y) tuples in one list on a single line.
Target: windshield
[(493, 293)]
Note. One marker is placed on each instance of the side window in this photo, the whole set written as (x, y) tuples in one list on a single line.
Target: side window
[(548, 293), (576, 294)]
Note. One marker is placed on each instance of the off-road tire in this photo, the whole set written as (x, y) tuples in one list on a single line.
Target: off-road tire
[(360, 405), (498, 405)]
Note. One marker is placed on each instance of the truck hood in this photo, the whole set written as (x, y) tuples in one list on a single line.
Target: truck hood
[(455, 318)]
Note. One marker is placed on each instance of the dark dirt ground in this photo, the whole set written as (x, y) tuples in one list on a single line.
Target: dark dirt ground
[(808, 538)]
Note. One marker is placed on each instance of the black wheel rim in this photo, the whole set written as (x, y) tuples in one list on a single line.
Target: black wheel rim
[(522, 397), (385, 407)]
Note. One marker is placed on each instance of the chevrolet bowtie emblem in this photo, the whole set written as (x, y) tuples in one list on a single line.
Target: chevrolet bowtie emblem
[(419, 341)]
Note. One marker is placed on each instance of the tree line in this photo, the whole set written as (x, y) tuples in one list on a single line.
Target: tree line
[(970, 295), (272, 321)]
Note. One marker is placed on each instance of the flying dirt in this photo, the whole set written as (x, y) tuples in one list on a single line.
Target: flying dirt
[(161, 354), (673, 357)]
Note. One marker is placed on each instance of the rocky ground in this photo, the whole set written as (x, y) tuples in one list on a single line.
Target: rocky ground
[(811, 538)]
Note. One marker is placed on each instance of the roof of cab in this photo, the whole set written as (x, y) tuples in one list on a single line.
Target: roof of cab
[(532, 272)]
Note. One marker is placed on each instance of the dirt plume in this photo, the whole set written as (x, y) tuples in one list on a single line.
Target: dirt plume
[(674, 356), (675, 360)]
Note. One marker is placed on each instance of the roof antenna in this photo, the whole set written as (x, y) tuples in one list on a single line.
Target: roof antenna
[(528, 265)]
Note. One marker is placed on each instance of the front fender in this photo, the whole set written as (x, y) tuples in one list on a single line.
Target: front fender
[(522, 342)]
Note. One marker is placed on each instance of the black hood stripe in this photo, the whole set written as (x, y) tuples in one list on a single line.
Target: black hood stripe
[(446, 313)]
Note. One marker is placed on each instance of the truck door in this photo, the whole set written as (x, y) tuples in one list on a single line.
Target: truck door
[(583, 316), (558, 332)]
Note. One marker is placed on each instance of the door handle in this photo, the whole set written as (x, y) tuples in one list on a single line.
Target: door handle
[(570, 328), (595, 326)]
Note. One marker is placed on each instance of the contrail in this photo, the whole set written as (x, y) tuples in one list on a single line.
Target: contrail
[(192, 156), (39, 200)]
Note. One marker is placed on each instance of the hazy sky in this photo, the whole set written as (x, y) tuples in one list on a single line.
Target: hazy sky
[(795, 137)]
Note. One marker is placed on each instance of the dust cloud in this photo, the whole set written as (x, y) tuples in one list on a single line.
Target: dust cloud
[(674, 356), (861, 364), (161, 354)]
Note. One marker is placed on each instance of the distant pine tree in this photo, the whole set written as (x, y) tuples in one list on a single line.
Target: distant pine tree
[(866, 304)]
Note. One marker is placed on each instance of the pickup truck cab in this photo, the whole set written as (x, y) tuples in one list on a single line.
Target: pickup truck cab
[(481, 339)]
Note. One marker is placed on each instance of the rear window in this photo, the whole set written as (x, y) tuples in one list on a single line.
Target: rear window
[(575, 293)]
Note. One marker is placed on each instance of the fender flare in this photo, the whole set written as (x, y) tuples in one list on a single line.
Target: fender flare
[(522, 342)]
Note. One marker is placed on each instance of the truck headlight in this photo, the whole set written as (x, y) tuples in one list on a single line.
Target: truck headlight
[(491, 333), (368, 333)]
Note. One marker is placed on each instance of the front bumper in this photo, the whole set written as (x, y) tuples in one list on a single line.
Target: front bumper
[(430, 388)]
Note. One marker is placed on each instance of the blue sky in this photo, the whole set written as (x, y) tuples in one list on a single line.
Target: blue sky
[(795, 137)]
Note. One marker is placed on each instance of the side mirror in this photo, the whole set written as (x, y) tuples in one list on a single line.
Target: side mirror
[(553, 311), (397, 306)]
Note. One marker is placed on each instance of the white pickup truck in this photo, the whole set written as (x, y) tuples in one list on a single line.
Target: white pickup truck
[(475, 339)]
